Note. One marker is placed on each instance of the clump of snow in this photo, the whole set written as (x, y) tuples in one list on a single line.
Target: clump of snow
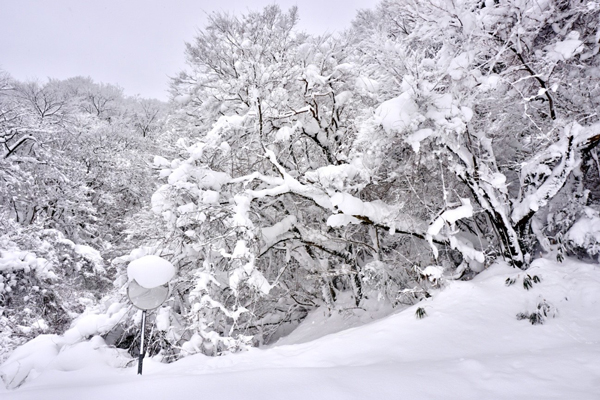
[(496, 179), (397, 114), (459, 66), (15, 260), (135, 254), (202, 281), (489, 82), (224, 124), (241, 210), (93, 324), (467, 113), (367, 85), (258, 281), (210, 197), (350, 209), (311, 126), (345, 67), (183, 99), (186, 208), (334, 176), (451, 216), (342, 98), (313, 76), (377, 210), (434, 273), (270, 234), (92, 255), (415, 139), (150, 271), (161, 162), (160, 200), (284, 134), (163, 320), (467, 250), (339, 220), (241, 250), (247, 271), (567, 48)]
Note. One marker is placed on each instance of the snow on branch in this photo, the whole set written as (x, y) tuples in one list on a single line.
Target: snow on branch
[(347, 208), (19, 143), (568, 150), (450, 216), (352, 210)]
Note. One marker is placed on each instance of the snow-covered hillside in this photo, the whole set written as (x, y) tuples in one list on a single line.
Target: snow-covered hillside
[(470, 345)]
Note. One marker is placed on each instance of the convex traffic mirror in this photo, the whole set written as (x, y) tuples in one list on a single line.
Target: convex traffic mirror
[(148, 288)]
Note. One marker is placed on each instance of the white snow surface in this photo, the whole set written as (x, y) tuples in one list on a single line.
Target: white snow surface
[(469, 346), (150, 271)]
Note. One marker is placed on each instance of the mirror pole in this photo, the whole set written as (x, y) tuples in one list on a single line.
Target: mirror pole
[(142, 350)]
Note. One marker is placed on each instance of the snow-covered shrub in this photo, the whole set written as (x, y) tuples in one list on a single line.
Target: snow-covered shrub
[(585, 233), (45, 281), (420, 313), (543, 310)]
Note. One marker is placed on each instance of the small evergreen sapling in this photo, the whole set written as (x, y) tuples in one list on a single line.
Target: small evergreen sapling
[(529, 280)]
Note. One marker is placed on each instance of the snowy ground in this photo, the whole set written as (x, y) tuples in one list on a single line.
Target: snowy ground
[(470, 346)]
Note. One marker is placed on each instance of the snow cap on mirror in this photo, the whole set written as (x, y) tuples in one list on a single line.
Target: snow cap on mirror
[(150, 271)]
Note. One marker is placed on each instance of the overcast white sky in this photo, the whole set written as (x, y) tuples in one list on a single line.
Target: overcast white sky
[(134, 43)]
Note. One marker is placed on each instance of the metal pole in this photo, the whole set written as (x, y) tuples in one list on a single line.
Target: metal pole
[(142, 350)]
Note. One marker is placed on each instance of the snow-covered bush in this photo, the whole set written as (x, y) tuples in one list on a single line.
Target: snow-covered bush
[(585, 233), (45, 281), (543, 311)]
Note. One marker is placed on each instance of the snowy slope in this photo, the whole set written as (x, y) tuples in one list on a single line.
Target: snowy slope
[(470, 346)]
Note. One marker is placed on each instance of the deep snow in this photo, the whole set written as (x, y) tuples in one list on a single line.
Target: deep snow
[(469, 346)]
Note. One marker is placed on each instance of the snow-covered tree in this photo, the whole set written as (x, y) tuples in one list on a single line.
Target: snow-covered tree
[(269, 212), (484, 86)]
